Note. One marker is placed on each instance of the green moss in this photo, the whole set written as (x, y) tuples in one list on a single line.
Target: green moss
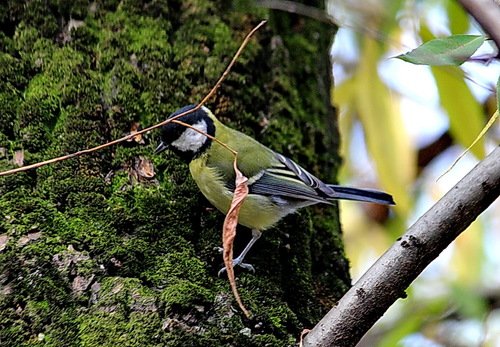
[(38, 14), (115, 259), (4, 143), (124, 312), (9, 103), (13, 329), (21, 213), (178, 262), (112, 329), (35, 310), (184, 295)]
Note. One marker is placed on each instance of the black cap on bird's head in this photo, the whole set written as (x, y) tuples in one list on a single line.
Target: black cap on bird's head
[(186, 142)]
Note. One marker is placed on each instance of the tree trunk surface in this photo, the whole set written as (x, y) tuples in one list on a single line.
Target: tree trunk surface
[(118, 247)]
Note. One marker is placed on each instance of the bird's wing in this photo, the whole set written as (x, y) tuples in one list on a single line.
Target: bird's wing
[(287, 179), (269, 173)]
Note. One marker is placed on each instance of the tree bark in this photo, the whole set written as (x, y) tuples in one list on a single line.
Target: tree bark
[(387, 280), (118, 247)]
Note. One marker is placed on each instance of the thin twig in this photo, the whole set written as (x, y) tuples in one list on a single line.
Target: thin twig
[(479, 137), (224, 74), (230, 66), (130, 136), (213, 138)]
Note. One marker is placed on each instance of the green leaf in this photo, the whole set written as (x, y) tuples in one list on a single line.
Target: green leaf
[(451, 50)]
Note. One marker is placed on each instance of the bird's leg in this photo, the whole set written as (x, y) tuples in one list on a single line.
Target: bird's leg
[(238, 261)]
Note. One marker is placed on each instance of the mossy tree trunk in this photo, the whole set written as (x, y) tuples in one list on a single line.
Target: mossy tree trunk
[(96, 252)]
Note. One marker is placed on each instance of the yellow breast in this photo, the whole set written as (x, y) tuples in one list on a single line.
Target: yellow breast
[(257, 211)]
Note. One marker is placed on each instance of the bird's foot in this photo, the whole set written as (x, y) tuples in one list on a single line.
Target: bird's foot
[(238, 262)]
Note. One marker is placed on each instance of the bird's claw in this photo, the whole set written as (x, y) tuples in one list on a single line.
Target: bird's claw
[(237, 262), (246, 266)]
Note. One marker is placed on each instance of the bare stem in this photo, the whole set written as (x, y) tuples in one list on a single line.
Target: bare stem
[(130, 136)]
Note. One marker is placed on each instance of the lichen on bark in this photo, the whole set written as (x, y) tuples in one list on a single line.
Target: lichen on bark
[(95, 252)]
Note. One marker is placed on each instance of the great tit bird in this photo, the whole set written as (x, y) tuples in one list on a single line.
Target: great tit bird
[(277, 185)]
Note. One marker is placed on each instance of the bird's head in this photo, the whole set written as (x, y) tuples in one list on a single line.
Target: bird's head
[(186, 142)]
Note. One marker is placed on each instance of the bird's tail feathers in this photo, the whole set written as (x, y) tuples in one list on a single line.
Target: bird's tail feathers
[(356, 194)]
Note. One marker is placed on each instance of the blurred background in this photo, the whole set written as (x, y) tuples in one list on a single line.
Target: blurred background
[(402, 127)]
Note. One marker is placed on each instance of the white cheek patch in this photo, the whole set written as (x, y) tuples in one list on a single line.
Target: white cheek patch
[(191, 140)]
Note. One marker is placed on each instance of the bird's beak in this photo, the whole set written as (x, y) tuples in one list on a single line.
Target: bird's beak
[(161, 147)]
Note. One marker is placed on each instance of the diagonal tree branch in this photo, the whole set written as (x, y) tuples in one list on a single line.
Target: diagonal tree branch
[(387, 280)]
